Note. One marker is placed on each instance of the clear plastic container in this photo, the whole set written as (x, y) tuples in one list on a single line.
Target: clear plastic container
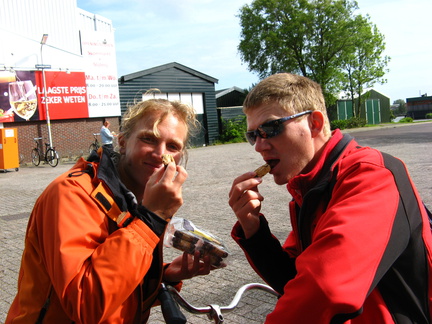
[(183, 235)]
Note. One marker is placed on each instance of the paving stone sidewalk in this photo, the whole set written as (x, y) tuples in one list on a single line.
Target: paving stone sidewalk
[(211, 171)]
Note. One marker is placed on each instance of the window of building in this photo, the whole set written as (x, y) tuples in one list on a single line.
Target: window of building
[(196, 100)]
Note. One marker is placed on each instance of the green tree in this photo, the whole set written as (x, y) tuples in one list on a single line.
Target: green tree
[(365, 65), (300, 36), (314, 38), (401, 109)]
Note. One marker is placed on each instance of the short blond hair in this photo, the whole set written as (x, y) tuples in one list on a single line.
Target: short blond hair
[(292, 92)]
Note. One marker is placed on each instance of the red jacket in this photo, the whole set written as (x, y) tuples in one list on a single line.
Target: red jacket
[(75, 254), (361, 246)]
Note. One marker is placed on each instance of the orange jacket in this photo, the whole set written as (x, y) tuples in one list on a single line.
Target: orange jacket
[(91, 270)]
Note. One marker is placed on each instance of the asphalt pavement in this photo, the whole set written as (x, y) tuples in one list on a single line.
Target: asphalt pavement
[(211, 171)]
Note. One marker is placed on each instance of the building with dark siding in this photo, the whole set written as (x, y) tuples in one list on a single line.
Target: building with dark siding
[(418, 107), (176, 82)]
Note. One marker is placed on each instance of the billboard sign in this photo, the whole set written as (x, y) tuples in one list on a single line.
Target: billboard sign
[(66, 95), (101, 73), (22, 95)]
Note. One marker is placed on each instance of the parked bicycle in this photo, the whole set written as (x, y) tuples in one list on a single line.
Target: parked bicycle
[(95, 145), (170, 299), (50, 155)]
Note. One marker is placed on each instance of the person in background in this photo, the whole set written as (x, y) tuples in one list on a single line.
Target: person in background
[(107, 136), (360, 249), (93, 247)]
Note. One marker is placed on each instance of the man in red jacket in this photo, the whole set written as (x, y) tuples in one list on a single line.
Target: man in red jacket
[(361, 248)]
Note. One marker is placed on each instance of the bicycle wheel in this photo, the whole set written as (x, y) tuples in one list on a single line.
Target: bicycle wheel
[(52, 157), (35, 157), (93, 147)]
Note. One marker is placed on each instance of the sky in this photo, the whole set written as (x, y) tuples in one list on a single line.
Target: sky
[(204, 35)]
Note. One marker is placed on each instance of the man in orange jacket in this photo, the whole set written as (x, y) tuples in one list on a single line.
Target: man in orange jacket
[(93, 250)]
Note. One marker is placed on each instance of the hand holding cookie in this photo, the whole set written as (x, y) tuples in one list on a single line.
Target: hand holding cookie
[(163, 191), (245, 199)]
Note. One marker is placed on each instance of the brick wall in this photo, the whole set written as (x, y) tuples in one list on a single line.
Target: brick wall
[(71, 138)]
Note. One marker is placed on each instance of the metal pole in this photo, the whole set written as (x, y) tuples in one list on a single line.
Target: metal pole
[(44, 38)]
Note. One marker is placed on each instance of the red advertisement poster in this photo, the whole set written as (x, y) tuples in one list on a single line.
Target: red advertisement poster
[(22, 95), (66, 95)]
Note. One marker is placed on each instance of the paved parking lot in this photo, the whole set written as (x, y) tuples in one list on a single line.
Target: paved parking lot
[(211, 171)]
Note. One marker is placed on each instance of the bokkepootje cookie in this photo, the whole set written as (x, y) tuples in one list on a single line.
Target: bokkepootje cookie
[(167, 158), (262, 170)]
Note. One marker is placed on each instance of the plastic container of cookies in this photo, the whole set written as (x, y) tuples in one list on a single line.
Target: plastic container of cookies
[(183, 235)]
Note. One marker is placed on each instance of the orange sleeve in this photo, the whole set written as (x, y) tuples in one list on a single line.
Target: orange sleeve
[(94, 273)]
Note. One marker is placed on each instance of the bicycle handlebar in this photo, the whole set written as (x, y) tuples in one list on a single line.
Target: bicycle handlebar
[(170, 310), (215, 311)]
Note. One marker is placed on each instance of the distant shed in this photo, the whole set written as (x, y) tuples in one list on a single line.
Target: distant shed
[(375, 108), (230, 105), (176, 82), (231, 97)]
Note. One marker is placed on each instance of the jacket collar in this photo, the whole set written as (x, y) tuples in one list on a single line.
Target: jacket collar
[(107, 172), (302, 183)]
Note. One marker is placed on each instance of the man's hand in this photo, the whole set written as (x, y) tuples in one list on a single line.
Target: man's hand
[(163, 192), (187, 266), (245, 201)]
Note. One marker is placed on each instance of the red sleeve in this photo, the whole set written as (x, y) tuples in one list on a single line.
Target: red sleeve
[(266, 256)]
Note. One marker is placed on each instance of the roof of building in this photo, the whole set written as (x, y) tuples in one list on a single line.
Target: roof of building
[(346, 96), (424, 97), (222, 92), (167, 66)]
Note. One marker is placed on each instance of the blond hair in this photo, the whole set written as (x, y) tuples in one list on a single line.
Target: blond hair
[(163, 107), (292, 92)]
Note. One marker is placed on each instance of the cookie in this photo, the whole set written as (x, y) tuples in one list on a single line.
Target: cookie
[(167, 158), (262, 170), (185, 237), (183, 245)]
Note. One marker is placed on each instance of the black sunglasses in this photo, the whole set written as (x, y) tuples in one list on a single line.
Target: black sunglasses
[(271, 128)]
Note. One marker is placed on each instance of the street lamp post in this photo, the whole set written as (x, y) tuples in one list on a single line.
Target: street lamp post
[(43, 42)]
